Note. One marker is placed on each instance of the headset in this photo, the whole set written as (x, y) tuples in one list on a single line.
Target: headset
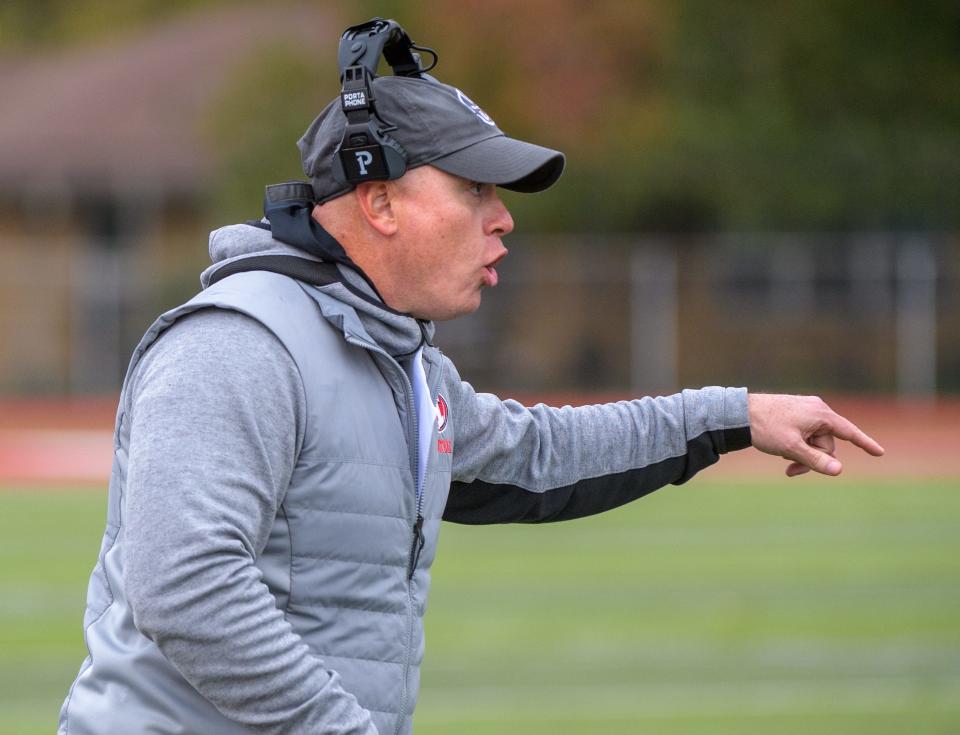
[(366, 151)]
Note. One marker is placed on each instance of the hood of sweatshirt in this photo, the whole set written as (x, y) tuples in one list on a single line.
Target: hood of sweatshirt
[(399, 334)]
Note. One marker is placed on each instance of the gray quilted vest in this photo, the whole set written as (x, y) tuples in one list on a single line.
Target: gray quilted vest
[(341, 560)]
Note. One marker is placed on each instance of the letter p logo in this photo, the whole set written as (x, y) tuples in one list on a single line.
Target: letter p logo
[(364, 159)]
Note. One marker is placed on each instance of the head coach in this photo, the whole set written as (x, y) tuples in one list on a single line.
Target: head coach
[(289, 440)]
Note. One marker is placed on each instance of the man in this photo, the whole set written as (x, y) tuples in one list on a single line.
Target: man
[(286, 447)]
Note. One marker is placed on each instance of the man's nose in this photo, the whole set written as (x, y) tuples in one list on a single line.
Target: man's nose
[(500, 222)]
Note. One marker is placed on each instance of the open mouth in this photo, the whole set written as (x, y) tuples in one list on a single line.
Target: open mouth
[(490, 269)]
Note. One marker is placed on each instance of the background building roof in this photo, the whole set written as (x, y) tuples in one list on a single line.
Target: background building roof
[(133, 110)]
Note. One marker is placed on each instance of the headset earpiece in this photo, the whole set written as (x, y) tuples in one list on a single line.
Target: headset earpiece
[(369, 163), (366, 151)]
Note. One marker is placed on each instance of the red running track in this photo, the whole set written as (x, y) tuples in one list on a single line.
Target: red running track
[(69, 442)]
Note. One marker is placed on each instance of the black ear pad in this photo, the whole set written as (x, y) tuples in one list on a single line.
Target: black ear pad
[(384, 158)]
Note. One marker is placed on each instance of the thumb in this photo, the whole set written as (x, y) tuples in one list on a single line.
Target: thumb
[(816, 459)]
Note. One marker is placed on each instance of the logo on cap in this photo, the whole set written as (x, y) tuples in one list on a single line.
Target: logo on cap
[(474, 108)]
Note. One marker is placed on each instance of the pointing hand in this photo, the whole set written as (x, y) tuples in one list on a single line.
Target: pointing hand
[(803, 429)]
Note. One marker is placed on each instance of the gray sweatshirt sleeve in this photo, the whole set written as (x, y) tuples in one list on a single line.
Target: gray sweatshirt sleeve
[(517, 464), (217, 412)]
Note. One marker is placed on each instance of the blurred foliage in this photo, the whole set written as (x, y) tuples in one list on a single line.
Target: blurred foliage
[(839, 115), (676, 115), (255, 123), (694, 115)]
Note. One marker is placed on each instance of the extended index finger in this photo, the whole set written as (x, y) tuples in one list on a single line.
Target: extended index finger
[(846, 429)]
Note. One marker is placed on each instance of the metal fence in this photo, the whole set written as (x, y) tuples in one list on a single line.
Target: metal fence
[(854, 313), (866, 312)]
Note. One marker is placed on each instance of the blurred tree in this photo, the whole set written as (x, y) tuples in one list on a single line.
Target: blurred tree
[(676, 115), (695, 115), (837, 115), (256, 121)]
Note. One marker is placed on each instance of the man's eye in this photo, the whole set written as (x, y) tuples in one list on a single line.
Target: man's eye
[(476, 188)]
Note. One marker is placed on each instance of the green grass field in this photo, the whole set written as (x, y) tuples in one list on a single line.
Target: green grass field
[(788, 607)]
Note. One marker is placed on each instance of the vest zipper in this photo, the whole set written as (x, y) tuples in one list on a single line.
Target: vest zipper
[(419, 540), (418, 543)]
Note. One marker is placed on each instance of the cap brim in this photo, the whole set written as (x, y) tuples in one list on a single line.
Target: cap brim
[(507, 162)]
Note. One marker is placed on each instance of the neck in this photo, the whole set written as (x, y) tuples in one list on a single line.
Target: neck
[(365, 253)]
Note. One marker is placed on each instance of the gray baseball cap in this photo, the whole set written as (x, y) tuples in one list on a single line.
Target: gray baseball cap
[(436, 124)]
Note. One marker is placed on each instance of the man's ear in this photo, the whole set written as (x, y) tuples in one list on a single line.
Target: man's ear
[(376, 204)]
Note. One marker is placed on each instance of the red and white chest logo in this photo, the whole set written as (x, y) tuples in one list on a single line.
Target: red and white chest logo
[(442, 413)]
